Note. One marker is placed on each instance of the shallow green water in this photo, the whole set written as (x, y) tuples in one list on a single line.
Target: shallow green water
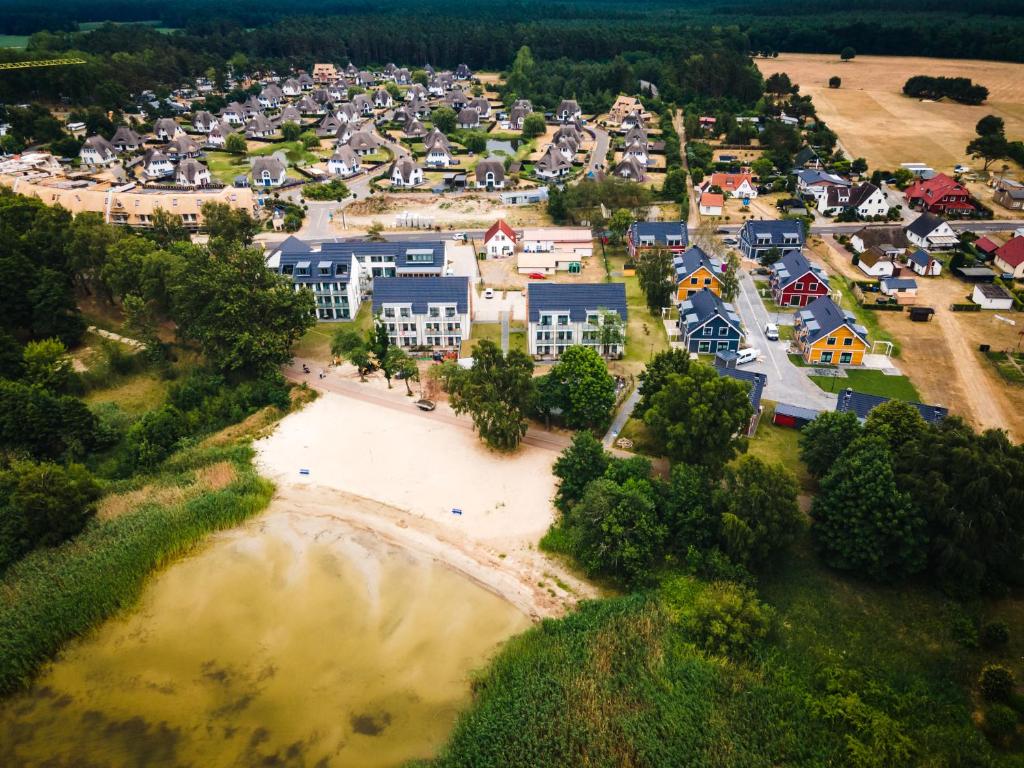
[(287, 642)]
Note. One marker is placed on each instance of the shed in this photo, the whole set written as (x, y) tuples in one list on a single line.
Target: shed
[(991, 296), (921, 314), (793, 416), (975, 274)]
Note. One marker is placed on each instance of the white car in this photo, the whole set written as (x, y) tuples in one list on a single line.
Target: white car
[(460, 236), (960, 168), (747, 355), (771, 332), (488, 293)]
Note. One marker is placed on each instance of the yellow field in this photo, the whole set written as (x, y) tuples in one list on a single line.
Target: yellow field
[(874, 120)]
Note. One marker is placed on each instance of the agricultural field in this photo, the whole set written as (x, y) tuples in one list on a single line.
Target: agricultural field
[(874, 120)]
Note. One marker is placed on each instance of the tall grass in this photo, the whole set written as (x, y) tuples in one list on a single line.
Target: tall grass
[(53, 595)]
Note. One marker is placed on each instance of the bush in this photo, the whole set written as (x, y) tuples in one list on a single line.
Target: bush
[(154, 436), (1001, 723), (727, 619), (995, 634), (996, 682)]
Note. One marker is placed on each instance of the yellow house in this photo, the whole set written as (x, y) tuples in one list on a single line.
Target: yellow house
[(696, 271), (827, 335)]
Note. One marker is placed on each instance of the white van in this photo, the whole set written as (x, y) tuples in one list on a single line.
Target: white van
[(747, 355), (771, 332), (488, 293)]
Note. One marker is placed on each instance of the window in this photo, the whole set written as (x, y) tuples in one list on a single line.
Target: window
[(287, 269), (826, 357), (389, 311), (707, 330), (846, 358), (704, 346), (831, 341), (723, 330), (848, 341), (434, 312), (449, 311), (404, 312), (324, 271), (591, 319), (340, 269), (563, 319), (693, 281)]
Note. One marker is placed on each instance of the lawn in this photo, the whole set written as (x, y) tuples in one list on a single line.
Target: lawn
[(1005, 367), (225, 167), (871, 383), (492, 332), (866, 317), (781, 444), (136, 394), (645, 333), (316, 343), (13, 41), (296, 153)]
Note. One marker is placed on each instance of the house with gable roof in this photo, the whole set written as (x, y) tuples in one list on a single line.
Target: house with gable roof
[(794, 282), (424, 311), (825, 334), (656, 235), (696, 271), (562, 315), (708, 325), (757, 238), (500, 240)]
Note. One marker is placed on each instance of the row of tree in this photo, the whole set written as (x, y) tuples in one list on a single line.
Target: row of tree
[(900, 496)]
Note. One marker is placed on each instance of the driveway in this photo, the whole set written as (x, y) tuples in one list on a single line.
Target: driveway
[(490, 310), (600, 153), (786, 383)]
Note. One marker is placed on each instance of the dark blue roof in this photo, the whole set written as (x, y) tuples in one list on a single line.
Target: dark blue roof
[(899, 282), (796, 411), (692, 259), (756, 381), (576, 298), (822, 316), (704, 305), (861, 404), (296, 254), (921, 257), (421, 291), (776, 230), (659, 230), (793, 266), (432, 251)]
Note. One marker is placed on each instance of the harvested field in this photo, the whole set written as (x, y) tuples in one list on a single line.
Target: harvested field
[(874, 120)]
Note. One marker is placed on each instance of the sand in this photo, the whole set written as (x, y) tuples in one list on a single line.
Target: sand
[(874, 120), (400, 475)]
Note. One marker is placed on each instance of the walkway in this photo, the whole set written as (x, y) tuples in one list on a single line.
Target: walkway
[(625, 411)]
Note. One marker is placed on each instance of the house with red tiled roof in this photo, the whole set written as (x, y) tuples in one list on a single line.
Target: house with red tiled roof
[(987, 246), (1010, 257), (736, 184), (500, 240), (939, 194)]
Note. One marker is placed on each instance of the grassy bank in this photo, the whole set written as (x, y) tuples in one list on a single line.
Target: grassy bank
[(55, 594), (871, 383)]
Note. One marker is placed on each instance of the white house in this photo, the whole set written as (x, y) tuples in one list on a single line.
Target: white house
[(711, 204), (547, 250), (96, 150), (156, 165), (166, 129), (866, 199), (817, 183), (328, 270), (875, 262), (923, 263), (192, 173), (268, 172), (490, 174), (500, 240), (552, 165), (438, 150), (992, 296), (406, 173), (568, 111), (344, 162), (362, 143), (291, 87), (424, 311), (930, 232), (562, 315)]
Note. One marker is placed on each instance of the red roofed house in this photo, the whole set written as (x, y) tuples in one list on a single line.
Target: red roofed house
[(500, 240), (711, 204), (939, 194), (736, 184), (1010, 257), (987, 246)]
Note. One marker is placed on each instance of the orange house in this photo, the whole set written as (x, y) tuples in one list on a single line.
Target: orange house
[(826, 335), (695, 271)]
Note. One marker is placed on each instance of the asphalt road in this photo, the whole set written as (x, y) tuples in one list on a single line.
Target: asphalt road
[(786, 382), (599, 155)]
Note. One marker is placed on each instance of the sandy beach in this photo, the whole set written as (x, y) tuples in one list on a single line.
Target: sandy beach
[(401, 475)]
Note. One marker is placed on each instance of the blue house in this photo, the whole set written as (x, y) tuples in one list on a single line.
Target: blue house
[(759, 237), (657, 235), (334, 276), (708, 325)]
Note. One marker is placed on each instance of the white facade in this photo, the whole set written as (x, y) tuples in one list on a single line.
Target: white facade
[(555, 331), (441, 327), (943, 236), (499, 245), (1001, 301)]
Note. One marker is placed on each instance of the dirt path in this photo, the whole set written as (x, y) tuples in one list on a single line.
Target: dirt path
[(941, 357)]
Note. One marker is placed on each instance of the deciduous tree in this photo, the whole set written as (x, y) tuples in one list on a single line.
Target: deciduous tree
[(577, 466), (760, 516), (588, 390), (496, 393), (824, 439)]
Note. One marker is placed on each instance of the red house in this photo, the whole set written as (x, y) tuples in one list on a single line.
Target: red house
[(939, 194), (794, 283)]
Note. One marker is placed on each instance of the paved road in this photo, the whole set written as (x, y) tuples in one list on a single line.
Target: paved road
[(834, 228), (622, 417), (600, 154), (786, 382)]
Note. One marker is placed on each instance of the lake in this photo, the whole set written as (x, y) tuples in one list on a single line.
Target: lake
[(288, 641)]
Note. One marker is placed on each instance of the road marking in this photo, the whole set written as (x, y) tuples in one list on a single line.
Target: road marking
[(757, 323)]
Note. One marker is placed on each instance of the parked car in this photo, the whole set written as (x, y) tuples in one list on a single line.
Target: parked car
[(747, 355), (537, 276), (960, 168), (426, 405), (488, 293), (460, 236), (731, 240), (771, 332)]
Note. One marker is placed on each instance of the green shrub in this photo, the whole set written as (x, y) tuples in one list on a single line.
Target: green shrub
[(964, 630), (996, 682), (995, 634), (727, 619), (1001, 723)]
